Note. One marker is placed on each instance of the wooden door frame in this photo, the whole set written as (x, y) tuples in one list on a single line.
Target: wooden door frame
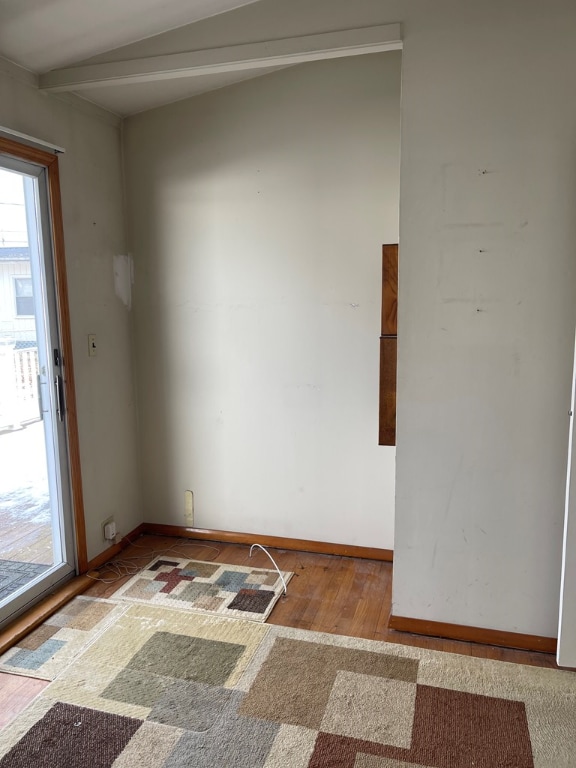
[(49, 161)]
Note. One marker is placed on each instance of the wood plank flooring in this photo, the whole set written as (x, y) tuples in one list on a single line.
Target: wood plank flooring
[(340, 595), (25, 514), (25, 541), (16, 692)]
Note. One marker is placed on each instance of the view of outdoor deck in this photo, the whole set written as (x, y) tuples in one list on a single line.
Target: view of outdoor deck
[(25, 526)]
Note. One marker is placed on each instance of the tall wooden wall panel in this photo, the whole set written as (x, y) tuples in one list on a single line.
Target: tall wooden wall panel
[(388, 346)]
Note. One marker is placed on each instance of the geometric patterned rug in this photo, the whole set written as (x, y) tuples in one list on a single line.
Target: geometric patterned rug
[(53, 645), (167, 689), (235, 591)]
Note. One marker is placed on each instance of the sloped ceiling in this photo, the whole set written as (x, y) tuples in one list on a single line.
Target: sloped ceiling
[(45, 34), (129, 56), (130, 99)]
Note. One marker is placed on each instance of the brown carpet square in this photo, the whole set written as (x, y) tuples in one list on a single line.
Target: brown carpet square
[(199, 569), (161, 563), (90, 616), (372, 761), (252, 600), (74, 607), (38, 637), (72, 737), (451, 729)]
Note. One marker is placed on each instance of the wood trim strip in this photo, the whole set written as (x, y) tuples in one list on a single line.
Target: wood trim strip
[(40, 612), (278, 542), (388, 346), (473, 634), (68, 366), (389, 290), (26, 152), (112, 551), (387, 421)]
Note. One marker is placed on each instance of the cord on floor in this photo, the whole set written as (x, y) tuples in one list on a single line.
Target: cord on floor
[(122, 567)]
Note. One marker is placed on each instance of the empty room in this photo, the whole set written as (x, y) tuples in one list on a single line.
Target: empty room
[(287, 321)]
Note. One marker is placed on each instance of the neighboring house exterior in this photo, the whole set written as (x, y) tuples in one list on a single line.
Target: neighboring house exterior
[(16, 301), (18, 347)]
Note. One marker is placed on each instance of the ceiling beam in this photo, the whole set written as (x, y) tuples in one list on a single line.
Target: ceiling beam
[(235, 58)]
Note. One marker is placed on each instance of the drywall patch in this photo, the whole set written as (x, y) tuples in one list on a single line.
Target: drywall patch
[(123, 279)]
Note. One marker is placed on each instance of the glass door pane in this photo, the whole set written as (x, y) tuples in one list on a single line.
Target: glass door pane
[(35, 522)]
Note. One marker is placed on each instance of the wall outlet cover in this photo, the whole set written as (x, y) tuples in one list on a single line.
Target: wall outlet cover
[(105, 530)]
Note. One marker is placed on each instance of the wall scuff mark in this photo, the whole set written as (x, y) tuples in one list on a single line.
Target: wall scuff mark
[(123, 279)]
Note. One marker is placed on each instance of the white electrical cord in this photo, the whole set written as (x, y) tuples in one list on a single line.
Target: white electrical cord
[(273, 562), (118, 569)]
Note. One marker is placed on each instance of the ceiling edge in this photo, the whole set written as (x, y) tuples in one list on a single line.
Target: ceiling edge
[(31, 79)]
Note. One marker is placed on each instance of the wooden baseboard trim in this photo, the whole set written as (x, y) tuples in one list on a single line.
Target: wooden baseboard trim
[(40, 612), (115, 549), (473, 634), (278, 542)]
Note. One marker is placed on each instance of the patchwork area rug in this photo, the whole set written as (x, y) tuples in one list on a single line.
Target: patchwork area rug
[(235, 591), (52, 646), (168, 689)]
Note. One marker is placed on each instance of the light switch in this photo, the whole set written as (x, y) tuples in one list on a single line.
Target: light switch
[(92, 345)]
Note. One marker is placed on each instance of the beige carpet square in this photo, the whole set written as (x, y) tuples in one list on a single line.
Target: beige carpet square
[(149, 747), (367, 707), (292, 747)]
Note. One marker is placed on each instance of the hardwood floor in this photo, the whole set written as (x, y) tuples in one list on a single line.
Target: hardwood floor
[(16, 692), (340, 595)]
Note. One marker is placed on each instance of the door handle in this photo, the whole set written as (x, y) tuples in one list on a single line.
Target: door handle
[(60, 408), (39, 393)]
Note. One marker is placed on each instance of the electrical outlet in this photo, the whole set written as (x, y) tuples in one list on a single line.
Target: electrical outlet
[(189, 509), (110, 532), (109, 521)]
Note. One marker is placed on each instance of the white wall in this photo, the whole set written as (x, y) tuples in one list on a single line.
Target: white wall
[(487, 312), (483, 395), (257, 217), (91, 187)]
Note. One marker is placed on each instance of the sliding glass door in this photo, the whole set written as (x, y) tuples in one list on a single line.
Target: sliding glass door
[(37, 543)]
